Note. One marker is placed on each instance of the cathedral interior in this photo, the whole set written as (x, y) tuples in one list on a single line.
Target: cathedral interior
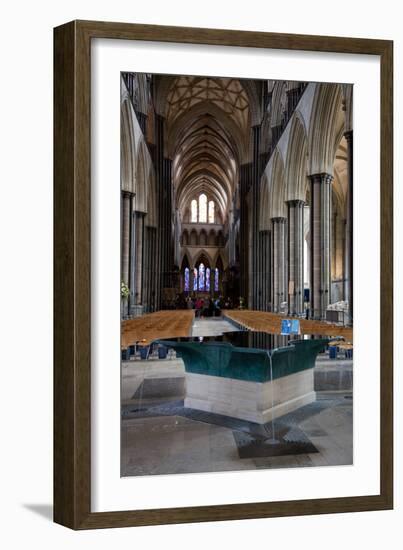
[(236, 196), (238, 188)]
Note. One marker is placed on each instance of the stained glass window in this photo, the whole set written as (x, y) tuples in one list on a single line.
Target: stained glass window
[(203, 208), (193, 207), (195, 279), (186, 286), (207, 279), (201, 277), (216, 279), (211, 212)]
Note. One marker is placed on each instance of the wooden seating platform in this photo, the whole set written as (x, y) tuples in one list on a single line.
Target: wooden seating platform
[(271, 322), (161, 324)]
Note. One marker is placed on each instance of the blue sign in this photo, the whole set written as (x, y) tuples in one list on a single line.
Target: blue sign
[(285, 326), (290, 326), (295, 326)]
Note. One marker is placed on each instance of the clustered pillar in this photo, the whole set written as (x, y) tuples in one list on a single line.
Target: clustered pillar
[(251, 242), (127, 241), (243, 231), (256, 241), (149, 255), (126, 213), (264, 294), (321, 193), (165, 243), (348, 289), (138, 268), (279, 262), (296, 257)]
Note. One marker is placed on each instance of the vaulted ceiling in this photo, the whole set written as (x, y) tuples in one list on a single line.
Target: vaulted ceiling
[(226, 93), (207, 126)]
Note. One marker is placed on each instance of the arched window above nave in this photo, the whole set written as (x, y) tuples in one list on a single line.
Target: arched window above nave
[(202, 210)]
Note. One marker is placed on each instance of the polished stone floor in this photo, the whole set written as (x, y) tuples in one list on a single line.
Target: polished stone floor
[(211, 326), (161, 436)]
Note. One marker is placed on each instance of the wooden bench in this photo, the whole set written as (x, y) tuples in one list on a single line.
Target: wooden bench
[(271, 322), (161, 324)]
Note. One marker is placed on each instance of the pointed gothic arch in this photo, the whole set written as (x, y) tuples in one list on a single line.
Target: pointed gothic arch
[(128, 147), (203, 257), (297, 159), (324, 128), (185, 262)]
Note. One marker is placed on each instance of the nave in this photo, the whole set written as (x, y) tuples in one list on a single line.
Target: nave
[(239, 192)]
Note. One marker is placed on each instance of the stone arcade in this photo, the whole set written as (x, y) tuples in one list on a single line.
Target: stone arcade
[(236, 187), (236, 195)]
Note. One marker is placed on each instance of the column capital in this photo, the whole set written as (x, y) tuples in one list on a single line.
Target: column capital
[(296, 202), (322, 177), (140, 214), (279, 219), (127, 194)]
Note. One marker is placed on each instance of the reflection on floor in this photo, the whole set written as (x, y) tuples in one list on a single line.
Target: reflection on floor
[(212, 326), (161, 436)]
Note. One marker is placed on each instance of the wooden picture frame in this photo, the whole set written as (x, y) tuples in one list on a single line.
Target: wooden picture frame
[(72, 270)]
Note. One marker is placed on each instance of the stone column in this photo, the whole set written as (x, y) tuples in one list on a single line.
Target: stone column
[(296, 257), (168, 237), (261, 274), (348, 273), (127, 245), (163, 191), (125, 223), (255, 178), (138, 271), (244, 231), (147, 247), (320, 232), (278, 268), (147, 279), (249, 213), (266, 270)]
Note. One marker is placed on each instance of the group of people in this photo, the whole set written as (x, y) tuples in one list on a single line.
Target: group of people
[(204, 307), (207, 307)]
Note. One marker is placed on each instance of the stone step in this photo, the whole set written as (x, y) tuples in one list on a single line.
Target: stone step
[(333, 377)]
